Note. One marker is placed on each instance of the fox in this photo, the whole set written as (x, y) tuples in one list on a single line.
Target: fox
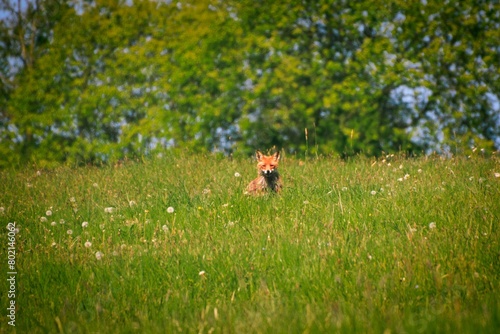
[(269, 178)]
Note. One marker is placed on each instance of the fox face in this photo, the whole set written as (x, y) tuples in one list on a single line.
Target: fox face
[(267, 164), (268, 179)]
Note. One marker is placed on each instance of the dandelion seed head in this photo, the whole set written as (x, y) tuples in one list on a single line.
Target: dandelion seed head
[(95, 185), (344, 188), (72, 200), (170, 209), (53, 224), (164, 228), (48, 213), (400, 179), (496, 175), (62, 221), (432, 225), (237, 174), (206, 191), (132, 203), (2, 209), (85, 224), (373, 192), (109, 209), (420, 170), (98, 255), (70, 232), (43, 219), (407, 176), (88, 244), (202, 273)]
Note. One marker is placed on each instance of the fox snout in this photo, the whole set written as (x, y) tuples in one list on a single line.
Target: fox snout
[(267, 172)]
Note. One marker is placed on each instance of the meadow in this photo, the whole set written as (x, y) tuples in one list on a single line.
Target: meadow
[(171, 244)]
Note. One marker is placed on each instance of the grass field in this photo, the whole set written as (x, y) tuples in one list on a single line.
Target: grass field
[(391, 245)]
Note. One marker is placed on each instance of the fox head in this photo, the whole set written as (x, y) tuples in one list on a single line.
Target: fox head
[(267, 164)]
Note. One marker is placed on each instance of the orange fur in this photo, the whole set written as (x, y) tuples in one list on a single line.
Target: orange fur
[(268, 179)]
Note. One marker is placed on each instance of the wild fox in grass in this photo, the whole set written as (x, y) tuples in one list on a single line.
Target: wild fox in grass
[(268, 179)]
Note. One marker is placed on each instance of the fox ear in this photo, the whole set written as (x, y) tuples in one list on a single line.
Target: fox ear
[(276, 156), (258, 155)]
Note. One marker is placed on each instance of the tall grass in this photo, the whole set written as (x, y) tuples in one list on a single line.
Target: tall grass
[(369, 246)]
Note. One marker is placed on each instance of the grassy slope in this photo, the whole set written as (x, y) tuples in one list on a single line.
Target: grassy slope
[(347, 247)]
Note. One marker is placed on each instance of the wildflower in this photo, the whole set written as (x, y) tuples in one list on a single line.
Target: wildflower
[(496, 175), (164, 228), (432, 225), (85, 224), (400, 179), (206, 191), (407, 176), (225, 205), (373, 192), (202, 273), (70, 232), (48, 213), (72, 200), (98, 255), (53, 244), (237, 174), (43, 219), (2, 209), (88, 244), (53, 224), (420, 170), (170, 209), (132, 203), (38, 173), (62, 221), (109, 209)]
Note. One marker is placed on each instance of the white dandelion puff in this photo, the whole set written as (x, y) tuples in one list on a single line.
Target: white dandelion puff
[(109, 209), (432, 225), (85, 224), (132, 203), (43, 219), (497, 175), (201, 273), (88, 244), (170, 209), (373, 192), (237, 174), (70, 232), (98, 255), (164, 228), (48, 213), (53, 224)]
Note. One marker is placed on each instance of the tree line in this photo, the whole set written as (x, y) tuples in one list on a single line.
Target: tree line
[(91, 81)]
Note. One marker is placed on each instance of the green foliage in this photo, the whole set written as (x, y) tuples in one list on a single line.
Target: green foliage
[(371, 246), (113, 79)]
